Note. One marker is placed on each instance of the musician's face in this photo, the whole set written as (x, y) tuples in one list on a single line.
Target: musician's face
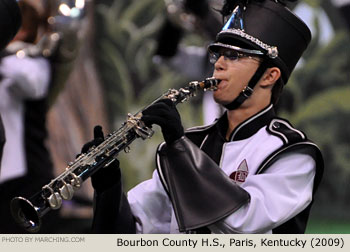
[(234, 75)]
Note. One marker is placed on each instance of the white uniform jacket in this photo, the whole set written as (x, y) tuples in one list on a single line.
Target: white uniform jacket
[(267, 175), (22, 79)]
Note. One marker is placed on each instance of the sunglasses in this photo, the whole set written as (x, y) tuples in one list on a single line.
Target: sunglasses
[(229, 54)]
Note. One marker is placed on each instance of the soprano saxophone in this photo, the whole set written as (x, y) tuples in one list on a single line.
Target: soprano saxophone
[(28, 212)]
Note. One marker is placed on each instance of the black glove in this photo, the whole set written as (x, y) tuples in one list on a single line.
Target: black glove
[(105, 177), (164, 114)]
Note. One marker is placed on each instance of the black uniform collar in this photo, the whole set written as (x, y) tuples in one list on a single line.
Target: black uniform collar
[(249, 127)]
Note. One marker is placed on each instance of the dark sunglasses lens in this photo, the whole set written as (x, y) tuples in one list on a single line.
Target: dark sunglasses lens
[(231, 55), (213, 57), (228, 54)]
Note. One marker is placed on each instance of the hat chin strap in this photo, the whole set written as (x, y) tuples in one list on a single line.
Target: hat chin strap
[(248, 90)]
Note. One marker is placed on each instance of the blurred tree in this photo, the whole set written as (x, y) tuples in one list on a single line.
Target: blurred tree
[(318, 103)]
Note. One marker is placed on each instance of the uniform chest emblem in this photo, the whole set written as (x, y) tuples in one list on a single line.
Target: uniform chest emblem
[(240, 175)]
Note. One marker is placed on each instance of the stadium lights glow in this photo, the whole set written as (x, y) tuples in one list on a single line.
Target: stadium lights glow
[(79, 4)]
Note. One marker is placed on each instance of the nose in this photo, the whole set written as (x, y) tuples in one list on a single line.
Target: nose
[(220, 64)]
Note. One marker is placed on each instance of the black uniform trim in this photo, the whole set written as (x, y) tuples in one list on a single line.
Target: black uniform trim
[(306, 147), (285, 131), (2, 139), (250, 126), (211, 138), (198, 134), (189, 172), (244, 130), (159, 170), (200, 128), (294, 141), (297, 224)]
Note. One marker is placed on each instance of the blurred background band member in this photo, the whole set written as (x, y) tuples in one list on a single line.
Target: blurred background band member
[(35, 66), (24, 78), (10, 21)]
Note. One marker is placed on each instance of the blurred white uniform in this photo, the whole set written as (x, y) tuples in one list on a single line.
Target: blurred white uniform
[(21, 79)]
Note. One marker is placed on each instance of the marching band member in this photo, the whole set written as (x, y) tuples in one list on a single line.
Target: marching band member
[(10, 21), (249, 171)]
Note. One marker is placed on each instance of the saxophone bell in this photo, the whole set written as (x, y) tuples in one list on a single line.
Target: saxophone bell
[(28, 213)]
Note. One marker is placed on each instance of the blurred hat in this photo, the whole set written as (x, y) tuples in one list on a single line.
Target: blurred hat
[(10, 21), (265, 27)]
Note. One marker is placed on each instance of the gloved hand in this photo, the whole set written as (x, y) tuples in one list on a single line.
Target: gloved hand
[(105, 177), (164, 114)]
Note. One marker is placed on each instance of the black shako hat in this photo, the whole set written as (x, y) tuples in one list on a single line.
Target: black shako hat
[(10, 21), (267, 27)]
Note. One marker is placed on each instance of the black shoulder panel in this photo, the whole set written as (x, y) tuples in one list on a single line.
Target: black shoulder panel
[(285, 131), (298, 223), (305, 147)]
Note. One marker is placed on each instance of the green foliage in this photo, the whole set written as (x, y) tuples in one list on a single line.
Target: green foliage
[(320, 93), (327, 67), (126, 40), (328, 226), (324, 117), (124, 50), (314, 3)]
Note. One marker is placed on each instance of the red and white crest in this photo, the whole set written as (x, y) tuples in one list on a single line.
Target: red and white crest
[(241, 174)]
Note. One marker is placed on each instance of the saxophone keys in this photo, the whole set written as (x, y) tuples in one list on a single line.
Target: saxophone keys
[(76, 181), (55, 200), (67, 191), (127, 149)]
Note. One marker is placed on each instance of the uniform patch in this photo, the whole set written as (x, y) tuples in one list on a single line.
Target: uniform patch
[(241, 174)]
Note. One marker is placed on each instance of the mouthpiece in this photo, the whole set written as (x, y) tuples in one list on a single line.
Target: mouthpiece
[(209, 83)]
